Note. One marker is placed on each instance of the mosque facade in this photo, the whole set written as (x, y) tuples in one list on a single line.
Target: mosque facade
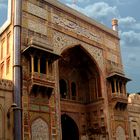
[(61, 75)]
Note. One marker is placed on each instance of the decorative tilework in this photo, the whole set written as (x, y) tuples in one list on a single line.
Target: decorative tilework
[(40, 130), (6, 85), (74, 27), (62, 41)]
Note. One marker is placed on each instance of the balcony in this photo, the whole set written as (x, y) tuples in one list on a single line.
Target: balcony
[(117, 86), (41, 65), (36, 78), (119, 100), (119, 96)]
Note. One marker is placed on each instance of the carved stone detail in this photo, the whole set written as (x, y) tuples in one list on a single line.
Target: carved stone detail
[(62, 41), (40, 130), (6, 85), (74, 27)]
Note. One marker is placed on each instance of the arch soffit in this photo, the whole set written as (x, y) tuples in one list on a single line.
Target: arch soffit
[(87, 51)]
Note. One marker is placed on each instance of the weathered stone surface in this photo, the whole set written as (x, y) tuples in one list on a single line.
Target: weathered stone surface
[(63, 41), (36, 10), (60, 43)]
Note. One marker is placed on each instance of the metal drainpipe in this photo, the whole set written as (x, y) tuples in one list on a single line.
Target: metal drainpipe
[(17, 69)]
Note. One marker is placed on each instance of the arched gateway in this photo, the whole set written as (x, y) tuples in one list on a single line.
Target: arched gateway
[(69, 128), (80, 91)]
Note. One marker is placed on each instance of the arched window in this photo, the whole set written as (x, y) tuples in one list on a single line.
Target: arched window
[(63, 88), (73, 89)]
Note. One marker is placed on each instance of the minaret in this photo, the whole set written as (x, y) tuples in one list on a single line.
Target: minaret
[(115, 24)]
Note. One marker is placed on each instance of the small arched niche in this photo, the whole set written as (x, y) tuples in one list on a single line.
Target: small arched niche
[(120, 133), (39, 130)]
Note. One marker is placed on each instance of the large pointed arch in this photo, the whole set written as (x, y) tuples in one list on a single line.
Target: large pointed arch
[(77, 65), (65, 49)]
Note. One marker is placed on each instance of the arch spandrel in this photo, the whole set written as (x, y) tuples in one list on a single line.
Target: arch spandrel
[(62, 41)]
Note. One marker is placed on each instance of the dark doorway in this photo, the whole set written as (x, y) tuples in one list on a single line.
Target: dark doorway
[(69, 128)]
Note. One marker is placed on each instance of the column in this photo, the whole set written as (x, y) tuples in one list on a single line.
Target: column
[(115, 86), (32, 64), (52, 68), (119, 88), (47, 69), (38, 65)]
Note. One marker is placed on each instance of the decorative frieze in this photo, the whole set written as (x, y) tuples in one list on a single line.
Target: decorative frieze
[(6, 85), (44, 108), (34, 107), (74, 27), (62, 41), (132, 108)]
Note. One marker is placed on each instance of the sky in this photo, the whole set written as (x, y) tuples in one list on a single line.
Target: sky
[(127, 12), (3, 11)]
